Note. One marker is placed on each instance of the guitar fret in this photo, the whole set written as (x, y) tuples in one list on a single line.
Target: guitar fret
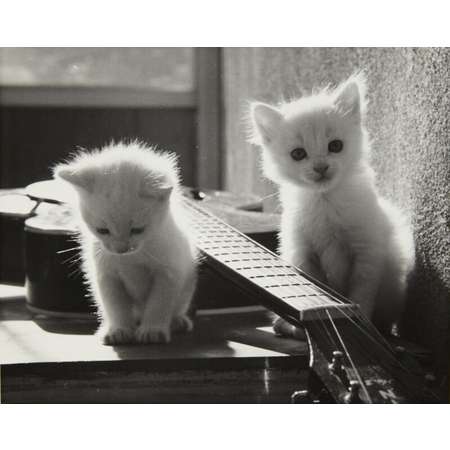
[(286, 297), (270, 275), (246, 253), (246, 260), (282, 285), (230, 246)]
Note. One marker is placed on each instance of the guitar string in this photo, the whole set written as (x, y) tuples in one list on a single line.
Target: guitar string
[(304, 287), (218, 222), (288, 289), (322, 322), (334, 344), (362, 384), (387, 349), (375, 366), (370, 355), (397, 363), (371, 329), (284, 290), (387, 346), (374, 363)]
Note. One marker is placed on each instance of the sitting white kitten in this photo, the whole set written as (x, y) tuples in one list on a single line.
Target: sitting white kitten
[(139, 256), (335, 226)]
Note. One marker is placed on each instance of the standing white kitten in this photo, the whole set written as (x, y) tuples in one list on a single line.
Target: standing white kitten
[(139, 257), (335, 226)]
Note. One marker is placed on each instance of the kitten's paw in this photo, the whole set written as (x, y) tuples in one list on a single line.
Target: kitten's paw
[(284, 328), (182, 324), (152, 334), (117, 336)]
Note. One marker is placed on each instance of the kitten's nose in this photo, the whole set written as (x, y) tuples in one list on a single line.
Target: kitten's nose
[(121, 247), (320, 168)]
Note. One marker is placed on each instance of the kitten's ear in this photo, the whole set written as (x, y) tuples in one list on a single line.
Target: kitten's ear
[(351, 96), (266, 121), (150, 191), (78, 178)]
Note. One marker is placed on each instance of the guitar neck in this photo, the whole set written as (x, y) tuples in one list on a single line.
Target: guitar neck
[(368, 371), (278, 285)]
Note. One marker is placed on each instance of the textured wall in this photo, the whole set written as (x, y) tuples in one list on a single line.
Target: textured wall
[(408, 119)]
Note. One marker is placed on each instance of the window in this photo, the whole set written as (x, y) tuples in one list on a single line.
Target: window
[(97, 76)]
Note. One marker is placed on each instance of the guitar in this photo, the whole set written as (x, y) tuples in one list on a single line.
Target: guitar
[(350, 360)]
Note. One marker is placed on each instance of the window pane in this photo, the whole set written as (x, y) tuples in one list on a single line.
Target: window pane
[(165, 69)]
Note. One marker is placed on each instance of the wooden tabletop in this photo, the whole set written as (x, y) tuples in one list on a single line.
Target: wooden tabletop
[(30, 338), (35, 349)]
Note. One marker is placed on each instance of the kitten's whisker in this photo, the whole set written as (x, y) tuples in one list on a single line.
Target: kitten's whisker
[(72, 260), (78, 247), (75, 272), (75, 261), (269, 196)]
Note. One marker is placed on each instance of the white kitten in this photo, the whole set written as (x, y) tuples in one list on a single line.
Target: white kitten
[(139, 256), (335, 226)]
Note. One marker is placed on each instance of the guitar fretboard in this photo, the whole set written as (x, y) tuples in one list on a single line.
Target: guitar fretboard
[(257, 265)]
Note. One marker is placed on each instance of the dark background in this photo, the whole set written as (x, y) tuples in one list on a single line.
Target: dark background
[(34, 138)]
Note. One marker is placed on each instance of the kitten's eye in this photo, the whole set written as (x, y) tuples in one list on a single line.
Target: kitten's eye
[(139, 230), (102, 231), (335, 146), (298, 154)]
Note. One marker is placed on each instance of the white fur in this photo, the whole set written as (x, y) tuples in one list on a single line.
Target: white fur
[(337, 228), (143, 283)]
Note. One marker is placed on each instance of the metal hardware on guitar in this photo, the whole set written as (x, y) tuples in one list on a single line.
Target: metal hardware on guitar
[(353, 393), (302, 397)]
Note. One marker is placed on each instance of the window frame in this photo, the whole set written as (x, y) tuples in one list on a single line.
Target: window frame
[(206, 99), (93, 96)]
